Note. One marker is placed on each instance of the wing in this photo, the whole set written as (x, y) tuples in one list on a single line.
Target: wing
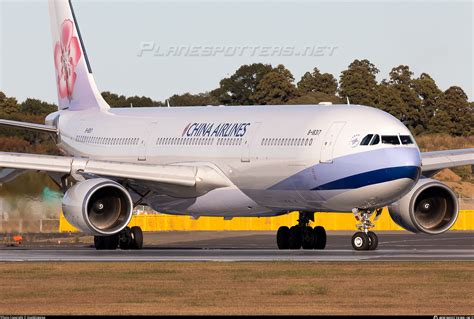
[(196, 179), (433, 162), (29, 126)]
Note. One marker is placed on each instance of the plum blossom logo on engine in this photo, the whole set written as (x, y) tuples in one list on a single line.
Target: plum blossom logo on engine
[(67, 53)]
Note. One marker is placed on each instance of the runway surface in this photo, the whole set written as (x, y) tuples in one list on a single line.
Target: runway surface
[(256, 246)]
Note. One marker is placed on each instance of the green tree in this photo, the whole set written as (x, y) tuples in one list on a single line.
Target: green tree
[(37, 107), (276, 87), (239, 88), (280, 69), (317, 82), (312, 98), (8, 105), (359, 83), (189, 99), (457, 112), (115, 100), (410, 110), (441, 122), (389, 100), (429, 93), (142, 101)]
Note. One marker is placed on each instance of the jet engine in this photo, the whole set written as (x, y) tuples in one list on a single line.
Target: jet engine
[(430, 207), (98, 206)]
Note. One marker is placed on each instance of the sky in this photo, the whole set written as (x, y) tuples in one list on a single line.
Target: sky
[(161, 48)]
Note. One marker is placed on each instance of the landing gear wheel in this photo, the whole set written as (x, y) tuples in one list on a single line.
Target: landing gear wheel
[(125, 237), (360, 241), (283, 237), (99, 243), (296, 237), (373, 240), (112, 242), (106, 242), (308, 238), (320, 237), (137, 237)]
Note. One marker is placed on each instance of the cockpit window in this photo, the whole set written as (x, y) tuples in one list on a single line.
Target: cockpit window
[(390, 139), (366, 139), (406, 139), (375, 140)]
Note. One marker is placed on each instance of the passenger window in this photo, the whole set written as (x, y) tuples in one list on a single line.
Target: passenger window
[(375, 140), (406, 139), (390, 139), (366, 139)]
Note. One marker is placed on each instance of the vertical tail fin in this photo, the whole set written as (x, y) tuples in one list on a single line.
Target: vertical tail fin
[(76, 86)]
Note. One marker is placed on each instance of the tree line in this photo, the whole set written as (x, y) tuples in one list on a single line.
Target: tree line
[(416, 101)]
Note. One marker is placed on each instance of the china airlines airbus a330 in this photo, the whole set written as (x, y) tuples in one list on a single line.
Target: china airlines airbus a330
[(229, 161)]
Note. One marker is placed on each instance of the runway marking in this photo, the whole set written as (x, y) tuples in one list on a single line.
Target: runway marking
[(425, 239), (230, 255)]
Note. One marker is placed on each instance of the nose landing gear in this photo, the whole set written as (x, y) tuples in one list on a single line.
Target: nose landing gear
[(302, 235), (365, 239)]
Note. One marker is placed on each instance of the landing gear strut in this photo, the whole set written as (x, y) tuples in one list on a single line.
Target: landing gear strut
[(129, 238), (365, 239), (302, 235)]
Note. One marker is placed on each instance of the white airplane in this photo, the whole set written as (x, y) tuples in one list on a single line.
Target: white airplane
[(229, 161)]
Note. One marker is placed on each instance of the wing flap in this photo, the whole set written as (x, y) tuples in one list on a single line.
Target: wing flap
[(168, 174), (46, 163)]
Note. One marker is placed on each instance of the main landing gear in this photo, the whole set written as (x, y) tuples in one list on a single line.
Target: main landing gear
[(302, 235), (365, 239), (129, 238)]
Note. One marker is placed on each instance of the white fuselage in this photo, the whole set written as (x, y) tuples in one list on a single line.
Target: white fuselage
[(278, 158)]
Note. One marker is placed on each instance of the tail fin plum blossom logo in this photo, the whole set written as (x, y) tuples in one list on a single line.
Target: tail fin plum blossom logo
[(67, 53)]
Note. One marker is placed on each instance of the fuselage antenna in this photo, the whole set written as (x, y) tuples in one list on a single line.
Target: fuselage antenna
[(348, 102)]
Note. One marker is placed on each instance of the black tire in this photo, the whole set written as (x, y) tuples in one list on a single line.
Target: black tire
[(137, 237), (308, 238), (283, 237), (373, 240), (106, 242), (112, 242), (125, 239), (360, 241), (99, 243), (296, 237), (320, 237)]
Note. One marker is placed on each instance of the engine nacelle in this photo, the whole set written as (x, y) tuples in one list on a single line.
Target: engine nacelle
[(430, 207), (98, 206)]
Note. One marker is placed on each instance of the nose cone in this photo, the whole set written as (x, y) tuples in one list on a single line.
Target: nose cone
[(403, 170), (388, 175), (408, 160)]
